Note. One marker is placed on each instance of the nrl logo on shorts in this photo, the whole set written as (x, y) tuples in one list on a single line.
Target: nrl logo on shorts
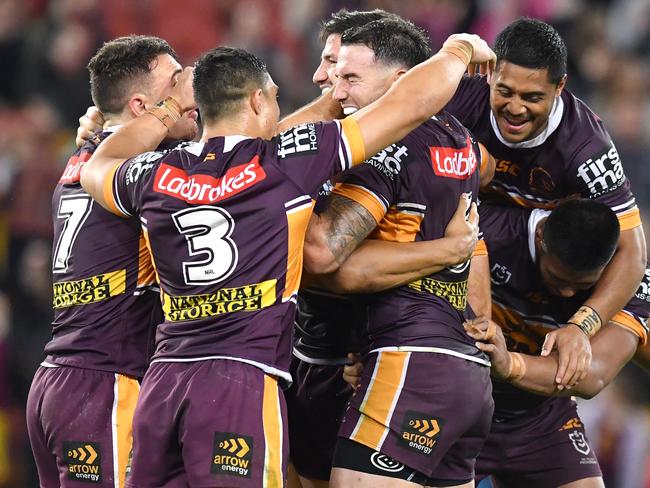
[(500, 274), (580, 442), (232, 454), (420, 431), (83, 460)]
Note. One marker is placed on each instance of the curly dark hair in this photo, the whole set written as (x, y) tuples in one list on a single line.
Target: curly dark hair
[(533, 44)]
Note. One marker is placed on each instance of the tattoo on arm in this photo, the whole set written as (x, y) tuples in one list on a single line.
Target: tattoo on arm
[(348, 223)]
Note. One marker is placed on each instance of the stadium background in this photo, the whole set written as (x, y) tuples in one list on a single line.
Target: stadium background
[(44, 48)]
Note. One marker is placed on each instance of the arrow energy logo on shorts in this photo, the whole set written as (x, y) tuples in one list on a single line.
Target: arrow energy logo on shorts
[(83, 460), (232, 454), (420, 431)]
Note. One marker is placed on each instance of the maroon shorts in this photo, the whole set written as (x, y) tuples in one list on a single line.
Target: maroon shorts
[(79, 423), (546, 447), (208, 424), (428, 411), (316, 403)]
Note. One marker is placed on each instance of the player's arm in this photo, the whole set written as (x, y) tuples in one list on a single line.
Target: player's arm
[(324, 108), (335, 233), (89, 123), (616, 286), (622, 275), (378, 265), (139, 135), (418, 95), (642, 357), (612, 348), (488, 166), (479, 290)]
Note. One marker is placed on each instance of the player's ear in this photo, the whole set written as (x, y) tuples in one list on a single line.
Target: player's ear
[(256, 101), (137, 104), (560, 86), (398, 74)]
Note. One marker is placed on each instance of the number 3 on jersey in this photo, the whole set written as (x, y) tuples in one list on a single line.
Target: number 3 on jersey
[(74, 209), (207, 230)]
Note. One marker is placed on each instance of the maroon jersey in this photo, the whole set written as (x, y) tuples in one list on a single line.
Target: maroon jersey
[(574, 155), (412, 189), (522, 305), (104, 310), (225, 220)]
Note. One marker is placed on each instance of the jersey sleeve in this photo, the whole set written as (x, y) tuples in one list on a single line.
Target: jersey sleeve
[(598, 174), (373, 184), (124, 187), (315, 152), (635, 314), (468, 100)]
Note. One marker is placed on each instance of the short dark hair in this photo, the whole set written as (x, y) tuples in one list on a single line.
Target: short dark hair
[(582, 234), (223, 77), (121, 64), (393, 40), (533, 44), (344, 19)]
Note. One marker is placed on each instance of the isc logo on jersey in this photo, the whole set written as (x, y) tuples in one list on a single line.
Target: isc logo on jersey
[(298, 140), (450, 162), (204, 189), (602, 173)]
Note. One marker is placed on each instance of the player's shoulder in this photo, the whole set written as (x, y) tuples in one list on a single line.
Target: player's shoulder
[(504, 224), (307, 139), (581, 128)]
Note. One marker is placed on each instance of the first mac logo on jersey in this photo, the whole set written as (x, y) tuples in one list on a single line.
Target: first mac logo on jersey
[(302, 139), (602, 173)]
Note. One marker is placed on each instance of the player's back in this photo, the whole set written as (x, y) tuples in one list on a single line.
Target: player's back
[(105, 311), (418, 183), (226, 220)]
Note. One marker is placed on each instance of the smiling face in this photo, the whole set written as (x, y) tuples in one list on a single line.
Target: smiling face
[(521, 100), (361, 79), (324, 75)]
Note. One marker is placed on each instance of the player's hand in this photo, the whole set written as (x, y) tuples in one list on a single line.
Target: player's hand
[(463, 229), (352, 371), (182, 92), (574, 354), (483, 58), (89, 123), (489, 339)]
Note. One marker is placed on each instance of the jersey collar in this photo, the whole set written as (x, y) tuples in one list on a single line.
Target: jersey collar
[(554, 119), (535, 216)]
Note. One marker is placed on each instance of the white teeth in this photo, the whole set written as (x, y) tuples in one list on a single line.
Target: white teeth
[(349, 110)]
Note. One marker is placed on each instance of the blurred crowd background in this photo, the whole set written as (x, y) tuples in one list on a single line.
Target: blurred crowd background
[(44, 48)]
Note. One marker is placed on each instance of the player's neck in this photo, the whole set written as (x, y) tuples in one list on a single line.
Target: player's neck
[(111, 120), (230, 127)]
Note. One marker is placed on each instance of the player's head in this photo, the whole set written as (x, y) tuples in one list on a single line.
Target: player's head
[(330, 35), (574, 244), (233, 83), (373, 57), (529, 76), (129, 75)]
